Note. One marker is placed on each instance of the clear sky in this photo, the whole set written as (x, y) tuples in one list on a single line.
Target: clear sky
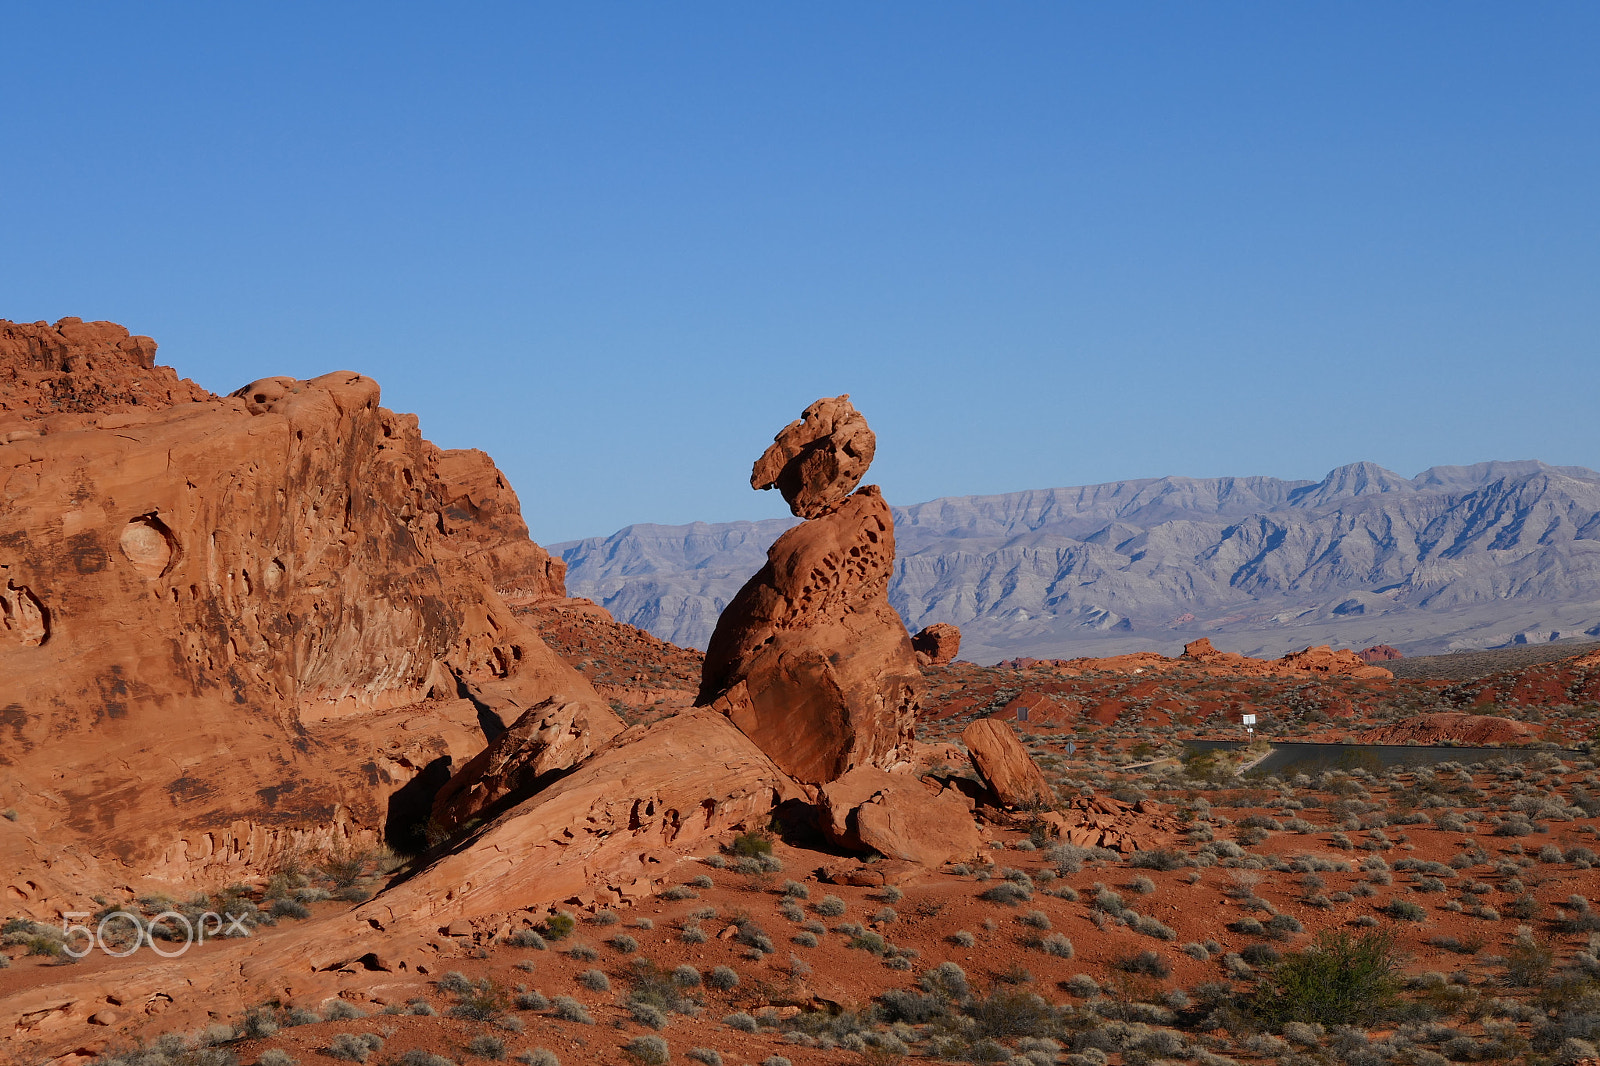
[(620, 245)]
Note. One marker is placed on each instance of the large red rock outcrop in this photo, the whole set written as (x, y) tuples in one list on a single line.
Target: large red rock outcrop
[(1379, 653), (1005, 765), (1200, 656), (231, 624), (809, 659), (937, 644)]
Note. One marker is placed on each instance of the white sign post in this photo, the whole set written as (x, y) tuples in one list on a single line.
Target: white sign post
[(1249, 722)]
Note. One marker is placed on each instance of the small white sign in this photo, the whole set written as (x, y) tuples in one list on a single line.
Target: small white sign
[(1248, 719)]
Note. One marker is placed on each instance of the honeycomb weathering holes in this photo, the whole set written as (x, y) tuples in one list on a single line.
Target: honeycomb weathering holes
[(148, 544)]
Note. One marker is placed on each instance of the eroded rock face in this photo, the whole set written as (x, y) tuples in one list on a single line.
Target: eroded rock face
[(227, 621), (1379, 653), (820, 459), (1103, 822), (1005, 765), (937, 644), (809, 659)]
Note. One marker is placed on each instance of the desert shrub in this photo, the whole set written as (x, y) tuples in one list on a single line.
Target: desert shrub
[(530, 1001), (418, 1057), (288, 908), (962, 939), (1529, 960), (751, 845), (1057, 945), (1007, 893), (1156, 859), (912, 1008), (624, 943), (276, 1057), (594, 981), (570, 1010), (527, 938), (650, 1050), (1081, 985), (353, 1047), (680, 892), (805, 940), (1260, 954), (692, 933), (1148, 963), (1341, 979), (581, 952), (487, 1046), (709, 1056), (604, 918), (1142, 885), (776, 1060), (947, 979), (686, 976), (1005, 1014), (1035, 919), (741, 1022), (723, 978), (830, 906), (1402, 910), (559, 925)]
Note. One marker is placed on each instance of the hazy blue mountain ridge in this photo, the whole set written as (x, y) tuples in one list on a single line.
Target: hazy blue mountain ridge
[(1456, 557)]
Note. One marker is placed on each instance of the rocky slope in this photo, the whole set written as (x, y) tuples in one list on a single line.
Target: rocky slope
[(1457, 557)]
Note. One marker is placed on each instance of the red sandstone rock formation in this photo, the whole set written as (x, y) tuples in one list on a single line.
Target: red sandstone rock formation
[(820, 459), (809, 659), (937, 644), (231, 625), (1103, 822), (1005, 764), (1379, 653), (899, 817), (1452, 728), (1199, 655)]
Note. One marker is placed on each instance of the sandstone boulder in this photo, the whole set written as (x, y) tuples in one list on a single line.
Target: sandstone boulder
[(554, 735), (809, 659), (1005, 764), (937, 644), (898, 816), (819, 460), (1379, 653)]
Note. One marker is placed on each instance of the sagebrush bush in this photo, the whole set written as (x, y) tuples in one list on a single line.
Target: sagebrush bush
[(570, 1010), (1342, 979), (650, 1050)]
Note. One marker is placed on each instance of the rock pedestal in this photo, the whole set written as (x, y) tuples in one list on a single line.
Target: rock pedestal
[(809, 660)]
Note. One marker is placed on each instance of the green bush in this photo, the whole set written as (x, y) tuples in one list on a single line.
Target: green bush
[(1342, 979), (751, 845)]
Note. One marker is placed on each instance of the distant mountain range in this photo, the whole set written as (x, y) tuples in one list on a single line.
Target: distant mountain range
[(1456, 557)]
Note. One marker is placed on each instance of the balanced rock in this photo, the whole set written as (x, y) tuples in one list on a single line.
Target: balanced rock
[(1005, 765), (809, 659), (937, 644), (819, 460)]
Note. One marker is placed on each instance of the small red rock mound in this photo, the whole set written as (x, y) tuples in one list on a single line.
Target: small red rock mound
[(809, 659), (1103, 822), (1379, 653), (1005, 764), (937, 644), (1450, 727)]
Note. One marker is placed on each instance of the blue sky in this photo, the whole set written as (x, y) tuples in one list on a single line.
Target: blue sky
[(618, 246)]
